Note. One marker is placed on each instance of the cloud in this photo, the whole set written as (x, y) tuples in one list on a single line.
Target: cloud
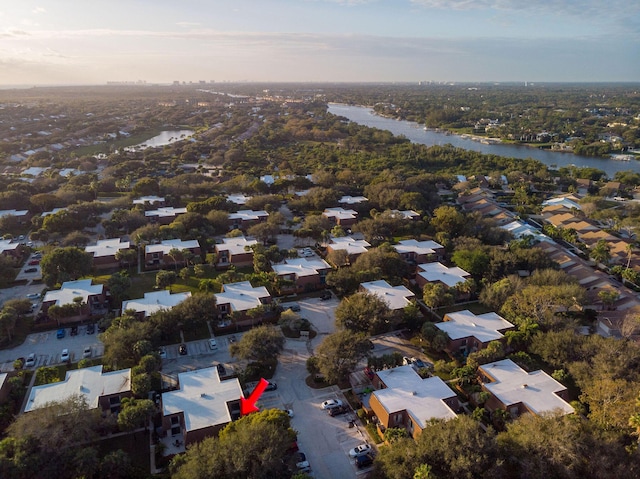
[(38, 10), (188, 24), (567, 7), (13, 34)]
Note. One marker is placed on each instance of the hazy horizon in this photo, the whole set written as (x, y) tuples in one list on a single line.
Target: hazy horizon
[(74, 42)]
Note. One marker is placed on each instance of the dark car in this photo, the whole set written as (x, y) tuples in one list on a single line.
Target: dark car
[(31, 270), (61, 333), (325, 295), (271, 387), (337, 411), (74, 330), (182, 350), (364, 461), (91, 328)]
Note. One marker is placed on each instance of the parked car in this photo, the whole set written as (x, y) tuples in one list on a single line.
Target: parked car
[(61, 333), (325, 295), (361, 450), (303, 466), (31, 270), (293, 307), (33, 262), (91, 328), (337, 411), (368, 372), (33, 296), (331, 403), (64, 357), (31, 361), (73, 331), (163, 353), (271, 387), (364, 461), (232, 339), (213, 344), (182, 349), (87, 352)]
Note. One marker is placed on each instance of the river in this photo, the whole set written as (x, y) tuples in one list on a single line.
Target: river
[(416, 133)]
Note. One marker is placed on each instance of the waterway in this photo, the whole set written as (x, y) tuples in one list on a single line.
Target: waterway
[(164, 138), (417, 134)]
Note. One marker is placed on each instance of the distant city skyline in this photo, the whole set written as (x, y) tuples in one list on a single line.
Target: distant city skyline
[(80, 42)]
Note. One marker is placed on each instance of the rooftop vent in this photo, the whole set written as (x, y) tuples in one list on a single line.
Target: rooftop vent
[(524, 386)]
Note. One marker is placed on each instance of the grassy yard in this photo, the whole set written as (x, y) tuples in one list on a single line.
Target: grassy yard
[(476, 308), (22, 329)]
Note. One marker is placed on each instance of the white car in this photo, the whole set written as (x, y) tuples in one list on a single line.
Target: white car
[(64, 357), (213, 344), (33, 296), (289, 412), (31, 361), (331, 403), (163, 353), (87, 352), (360, 450)]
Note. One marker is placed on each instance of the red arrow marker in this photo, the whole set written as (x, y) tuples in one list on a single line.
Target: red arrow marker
[(247, 406)]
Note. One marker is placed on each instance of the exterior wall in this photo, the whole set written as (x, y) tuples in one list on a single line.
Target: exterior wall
[(96, 305), (105, 402), (226, 259), (159, 260), (379, 411), (105, 262)]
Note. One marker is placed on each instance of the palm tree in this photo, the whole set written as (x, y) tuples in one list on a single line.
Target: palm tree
[(601, 252)]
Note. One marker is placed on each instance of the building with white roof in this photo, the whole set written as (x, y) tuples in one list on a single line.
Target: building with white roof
[(239, 199), (521, 230), (419, 251), (17, 213), (155, 301), (103, 390), (66, 172), (268, 179), (469, 332), (518, 391), (104, 252), (396, 297), (305, 274), (431, 272), (340, 216), (241, 297), (164, 214), (157, 255), (352, 200), (563, 201), (404, 214), (152, 200), (9, 248), (52, 212), (244, 218), (34, 170), (406, 400), (4, 387), (235, 251), (92, 299), (202, 406), (352, 246)]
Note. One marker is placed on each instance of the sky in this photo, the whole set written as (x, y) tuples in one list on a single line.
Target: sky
[(46, 42)]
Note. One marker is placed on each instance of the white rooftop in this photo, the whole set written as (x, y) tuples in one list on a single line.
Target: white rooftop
[(405, 214), (300, 267), (34, 170), (561, 200), (69, 172), (536, 390), (519, 230), (148, 199), (155, 301), (108, 247), (439, 272), (423, 399), (352, 200), (52, 212), (238, 199), (91, 382), (248, 215), (464, 324), (340, 213), (165, 212), (4, 213), (167, 245), (352, 246), (236, 245), (241, 296), (417, 247), (396, 297), (268, 179), (69, 290), (202, 398), (7, 245)]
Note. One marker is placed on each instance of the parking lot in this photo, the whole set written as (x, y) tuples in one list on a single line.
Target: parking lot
[(47, 348)]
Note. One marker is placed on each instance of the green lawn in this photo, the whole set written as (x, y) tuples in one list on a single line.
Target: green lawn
[(22, 329)]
